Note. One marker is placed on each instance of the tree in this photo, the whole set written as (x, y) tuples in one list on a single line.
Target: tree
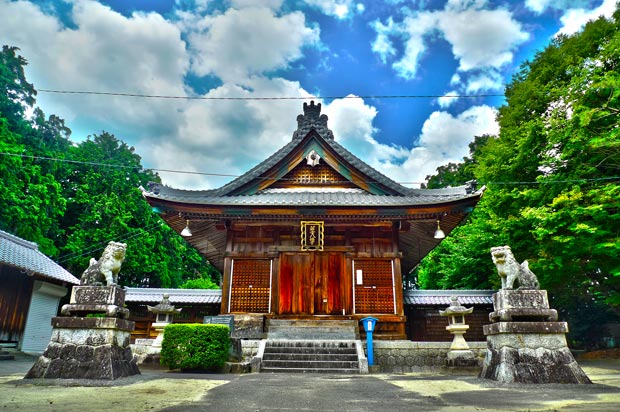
[(105, 203), (552, 179), (15, 92), (73, 199)]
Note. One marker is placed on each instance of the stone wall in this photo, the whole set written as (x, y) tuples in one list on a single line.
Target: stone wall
[(408, 356)]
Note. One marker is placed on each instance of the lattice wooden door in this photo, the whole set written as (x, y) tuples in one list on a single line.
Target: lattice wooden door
[(250, 286), (373, 290)]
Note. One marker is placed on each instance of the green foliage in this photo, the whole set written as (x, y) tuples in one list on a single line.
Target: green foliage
[(73, 209), (15, 92), (200, 283), (195, 346), (552, 177)]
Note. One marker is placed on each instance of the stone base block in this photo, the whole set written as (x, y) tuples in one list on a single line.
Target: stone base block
[(87, 348), (534, 328), (531, 358), (522, 305), (109, 300), (249, 327)]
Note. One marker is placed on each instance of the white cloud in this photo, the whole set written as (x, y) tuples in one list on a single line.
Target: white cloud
[(574, 19), (540, 6), (415, 28), (239, 43), (445, 138), (227, 136), (105, 51), (486, 81), (340, 9), (537, 6), (382, 45), (144, 53), (448, 99), (479, 38), (242, 4)]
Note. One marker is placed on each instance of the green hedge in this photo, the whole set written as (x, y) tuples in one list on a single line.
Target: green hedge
[(195, 346)]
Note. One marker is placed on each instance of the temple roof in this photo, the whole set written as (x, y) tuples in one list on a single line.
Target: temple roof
[(313, 176), (25, 256), (312, 136), (314, 197)]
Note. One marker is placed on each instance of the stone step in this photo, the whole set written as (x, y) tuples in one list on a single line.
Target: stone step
[(332, 357), (311, 370), (311, 351), (326, 356), (291, 364), (326, 344)]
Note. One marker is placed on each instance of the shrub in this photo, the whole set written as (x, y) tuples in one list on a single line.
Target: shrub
[(195, 346)]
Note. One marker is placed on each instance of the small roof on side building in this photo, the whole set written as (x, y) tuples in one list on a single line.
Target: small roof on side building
[(442, 297), (25, 256), (176, 296)]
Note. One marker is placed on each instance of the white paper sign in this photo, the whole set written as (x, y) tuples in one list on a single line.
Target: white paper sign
[(358, 276)]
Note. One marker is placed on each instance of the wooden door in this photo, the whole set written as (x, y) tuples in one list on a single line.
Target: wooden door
[(374, 286), (310, 283), (327, 286)]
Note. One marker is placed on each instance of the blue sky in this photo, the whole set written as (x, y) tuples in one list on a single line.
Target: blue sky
[(283, 48)]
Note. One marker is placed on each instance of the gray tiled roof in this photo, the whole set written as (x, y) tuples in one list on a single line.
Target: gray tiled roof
[(176, 296), (25, 255), (314, 198), (442, 297)]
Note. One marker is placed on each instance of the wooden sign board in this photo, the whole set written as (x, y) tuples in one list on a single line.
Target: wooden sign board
[(312, 235)]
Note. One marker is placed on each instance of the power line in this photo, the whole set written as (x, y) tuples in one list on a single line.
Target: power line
[(161, 96), (54, 159), (101, 246)]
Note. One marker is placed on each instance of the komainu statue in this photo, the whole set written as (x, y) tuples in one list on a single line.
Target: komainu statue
[(105, 270), (510, 271)]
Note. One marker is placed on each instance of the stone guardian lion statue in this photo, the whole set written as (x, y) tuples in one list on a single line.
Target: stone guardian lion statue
[(510, 271), (105, 270)]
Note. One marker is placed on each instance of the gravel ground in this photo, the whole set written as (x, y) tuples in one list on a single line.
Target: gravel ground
[(160, 390)]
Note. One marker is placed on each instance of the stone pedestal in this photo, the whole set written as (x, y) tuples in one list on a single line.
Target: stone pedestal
[(89, 347), (532, 351), (107, 300)]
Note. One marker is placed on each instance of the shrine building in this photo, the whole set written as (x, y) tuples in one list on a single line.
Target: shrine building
[(314, 233)]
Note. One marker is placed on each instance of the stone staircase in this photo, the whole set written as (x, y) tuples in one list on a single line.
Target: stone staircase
[(311, 346)]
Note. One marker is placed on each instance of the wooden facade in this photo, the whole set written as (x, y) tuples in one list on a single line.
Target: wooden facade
[(15, 297), (314, 232)]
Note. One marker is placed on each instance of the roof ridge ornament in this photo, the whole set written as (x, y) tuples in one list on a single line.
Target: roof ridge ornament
[(312, 119)]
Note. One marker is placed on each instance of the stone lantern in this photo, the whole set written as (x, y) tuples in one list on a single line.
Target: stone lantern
[(459, 353), (164, 315)]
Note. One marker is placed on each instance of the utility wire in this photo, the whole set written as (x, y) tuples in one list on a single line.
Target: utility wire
[(101, 246), (160, 96), (608, 178)]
